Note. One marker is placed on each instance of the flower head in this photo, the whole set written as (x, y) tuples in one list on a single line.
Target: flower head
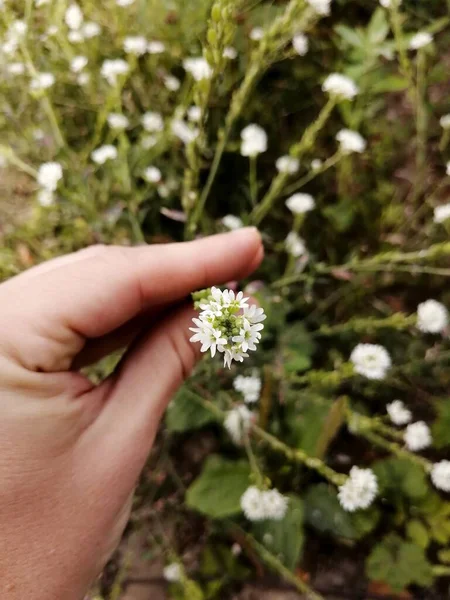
[(16, 68), (441, 213), (316, 164), (111, 69), (49, 174), (91, 30), (350, 141), (152, 121), (440, 475), (117, 121), (300, 203), (398, 413), (198, 67), (124, 3), (152, 175), (254, 140), (287, 164), (275, 505), (258, 505), (432, 317), (420, 40), (321, 7), (294, 244), (173, 572), (390, 3), (172, 83), (42, 81), (238, 422), (230, 53), (232, 222), (417, 436), (136, 45), (444, 121), (256, 34), (194, 113), (45, 197), (359, 491), (156, 47), (447, 168), (78, 63), (250, 387), (183, 131), (340, 86), (73, 16), (300, 44), (371, 360), (103, 153)]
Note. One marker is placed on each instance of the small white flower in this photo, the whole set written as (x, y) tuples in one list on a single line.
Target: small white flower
[(198, 67), (300, 203), (447, 169), (350, 141), (152, 175), (417, 436), (42, 81), (45, 197), (252, 504), (371, 360), (432, 317), (83, 78), (103, 153), (340, 86), (287, 164), (117, 121), (359, 491), (173, 572), (124, 3), (316, 164), (149, 141), (321, 7), (73, 16), (183, 131), (398, 413), (300, 44), (111, 69), (16, 68), (156, 47), (254, 140), (78, 63), (232, 222), (152, 121), (441, 213), (91, 30), (294, 244), (75, 36), (420, 40), (249, 387), (236, 549), (39, 3), (257, 34), (440, 475), (172, 83), (445, 121), (52, 30), (136, 45), (49, 174), (238, 423), (275, 505), (194, 114), (390, 3), (230, 53)]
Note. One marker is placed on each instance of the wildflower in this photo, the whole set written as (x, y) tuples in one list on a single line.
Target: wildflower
[(49, 174), (398, 413), (340, 86), (78, 63), (152, 175), (254, 140), (194, 113), (136, 45), (83, 78), (230, 53), (149, 141), (183, 131), (252, 504), (90, 30), (156, 47), (124, 3), (39, 3), (250, 387), (432, 317), (441, 213), (238, 422), (117, 121), (371, 360), (321, 7), (444, 121), (257, 34), (316, 164), (300, 203), (390, 3), (287, 164), (103, 153), (45, 197), (172, 83), (447, 169), (300, 44), (152, 121), (417, 436), (172, 572), (420, 40), (359, 491), (42, 81), (52, 30), (111, 69), (350, 141), (236, 549), (440, 475), (275, 505), (198, 67), (16, 68), (232, 222), (294, 244), (73, 16)]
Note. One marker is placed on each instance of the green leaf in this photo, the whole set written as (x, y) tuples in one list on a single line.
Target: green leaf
[(353, 37), (219, 566), (340, 215), (298, 346), (378, 27), (444, 556), (284, 538), (305, 419), (217, 491), (399, 564), (417, 533), (332, 424), (390, 83), (399, 477), (441, 427), (184, 413)]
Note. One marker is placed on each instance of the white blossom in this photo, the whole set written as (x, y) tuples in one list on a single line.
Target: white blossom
[(390, 3), (232, 222), (39, 3), (173, 572), (254, 140), (420, 40), (194, 113), (300, 44), (45, 197), (432, 317), (275, 505), (398, 413), (183, 131), (257, 34), (149, 141), (447, 169), (83, 78), (172, 83), (49, 174), (103, 153), (294, 244), (252, 504), (359, 491), (124, 3), (238, 422), (316, 164), (230, 53), (152, 175), (42, 81), (440, 475), (73, 16), (371, 360), (340, 86), (350, 141), (90, 30), (156, 47), (300, 203), (16, 68), (321, 7), (136, 45), (417, 436), (52, 30), (198, 67), (287, 164), (117, 121), (78, 63), (249, 387), (111, 69), (441, 213), (444, 121), (75, 36), (152, 121)]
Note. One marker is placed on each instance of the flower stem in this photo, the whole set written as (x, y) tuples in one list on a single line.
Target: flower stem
[(253, 178), (330, 162), (421, 124), (12, 158)]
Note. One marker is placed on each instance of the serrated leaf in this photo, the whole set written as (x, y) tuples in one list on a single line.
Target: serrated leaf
[(217, 491), (183, 413)]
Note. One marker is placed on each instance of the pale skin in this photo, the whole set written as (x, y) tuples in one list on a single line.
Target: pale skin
[(71, 452)]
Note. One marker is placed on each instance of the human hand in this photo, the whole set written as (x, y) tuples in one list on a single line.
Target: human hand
[(71, 452)]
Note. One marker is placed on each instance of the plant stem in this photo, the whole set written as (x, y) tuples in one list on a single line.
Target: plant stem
[(400, 42), (253, 178), (12, 158), (421, 124), (330, 162), (396, 321)]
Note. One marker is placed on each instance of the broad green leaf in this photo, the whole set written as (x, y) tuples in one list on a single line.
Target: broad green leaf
[(417, 533), (441, 427), (378, 27), (331, 425), (217, 491), (305, 420), (184, 413), (353, 37), (399, 477), (298, 346), (390, 83)]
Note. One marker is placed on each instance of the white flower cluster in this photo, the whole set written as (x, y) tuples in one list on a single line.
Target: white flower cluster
[(152, 175), (258, 505), (117, 121), (359, 491), (440, 475), (420, 40), (232, 222), (398, 413), (227, 324), (350, 141), (112, 69), (15, 33), (441, 213), (295, 245), (417, 436), (103, 153), (250, 387), (256, 34), (300, 203), (152, 121), (49, 174), (287, 164), (340, 86), (300, 44), (238, 422), (173, 572), (184, 131), (432, 317), (371, 360), (321, 7), (254, 140), (198, 67), (444, 121), (390, 3), (42, 81)]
